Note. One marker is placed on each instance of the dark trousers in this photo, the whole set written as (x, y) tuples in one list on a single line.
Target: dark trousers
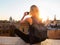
[(22, 35)]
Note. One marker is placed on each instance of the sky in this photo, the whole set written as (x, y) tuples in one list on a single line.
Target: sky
[(16, 8)]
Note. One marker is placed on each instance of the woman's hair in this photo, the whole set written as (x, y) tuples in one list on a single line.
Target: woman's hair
[(32, 8)]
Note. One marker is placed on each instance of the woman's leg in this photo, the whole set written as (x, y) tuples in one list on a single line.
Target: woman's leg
[(22, 35)]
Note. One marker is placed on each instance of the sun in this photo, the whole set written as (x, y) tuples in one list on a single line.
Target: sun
[(44, 18)]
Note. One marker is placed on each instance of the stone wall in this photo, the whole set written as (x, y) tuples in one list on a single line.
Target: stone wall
[(53, 34)]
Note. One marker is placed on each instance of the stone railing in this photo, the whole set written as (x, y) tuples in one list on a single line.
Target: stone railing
[(53, 34)]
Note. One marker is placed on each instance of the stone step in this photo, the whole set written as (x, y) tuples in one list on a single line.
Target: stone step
[(19, 41), (51, 42), (11, 41)]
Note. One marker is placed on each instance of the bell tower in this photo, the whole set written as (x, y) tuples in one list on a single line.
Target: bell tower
[(54, 17)]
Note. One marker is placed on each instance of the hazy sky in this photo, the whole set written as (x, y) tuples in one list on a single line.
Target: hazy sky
[(16, 8)]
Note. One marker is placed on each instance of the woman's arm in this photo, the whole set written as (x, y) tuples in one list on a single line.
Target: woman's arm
[(27, 19), (25, 14)]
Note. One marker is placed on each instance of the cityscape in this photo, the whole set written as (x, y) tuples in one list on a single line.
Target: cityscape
[(7, 28), (29, 22)]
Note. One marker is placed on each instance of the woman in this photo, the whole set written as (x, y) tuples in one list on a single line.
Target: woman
[(35, 24)]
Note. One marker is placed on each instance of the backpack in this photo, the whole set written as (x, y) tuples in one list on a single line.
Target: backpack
[(37, 32)]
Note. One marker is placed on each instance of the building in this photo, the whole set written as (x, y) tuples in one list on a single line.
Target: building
[(6, 28), (10, 19), (52, 22)]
